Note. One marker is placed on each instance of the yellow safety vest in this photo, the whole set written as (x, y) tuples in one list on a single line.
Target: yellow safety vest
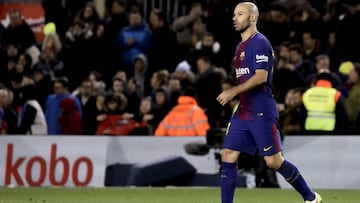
[(320, 104)]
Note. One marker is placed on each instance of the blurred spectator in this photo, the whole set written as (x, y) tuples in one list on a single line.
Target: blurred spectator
[(132, 97), (43, 76), (185, 119), (282, 50), (208, 46), (97, 81), (145, 114), (219, 22), (185, 74), (88, 106), (118, 19), (23, 65), (100, 102), (159, 79), (323, 110), (322, 64), (77, 32), (353, 100), (99, 59), (108, 107), (285, 75), (50, 48), (303, 66), (51, 38), (311, 46), (89, 15), (112, 119), (52, 108), (303, 18), (31, 116), (19, 32), (134, 39), (207, 80), (17, 81), (332, 50), (62, 12), (9, 115), (70, 118), (76, 53), (175, 89), (121, 74), (48, 60), (161, 30), (343, 72), (275, 18), (161, 104), (56, 12), (141, 74), (8, 63), (289, 116), (112, 105), (118, 88), (189, 29)]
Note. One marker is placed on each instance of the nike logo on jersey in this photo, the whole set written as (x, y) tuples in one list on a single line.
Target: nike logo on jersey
[(267, 148)]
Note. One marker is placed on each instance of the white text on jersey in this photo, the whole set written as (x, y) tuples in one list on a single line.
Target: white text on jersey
[(261, 58), (241, 71)]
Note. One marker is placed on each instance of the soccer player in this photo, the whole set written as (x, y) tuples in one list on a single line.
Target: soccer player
[(253, 125)]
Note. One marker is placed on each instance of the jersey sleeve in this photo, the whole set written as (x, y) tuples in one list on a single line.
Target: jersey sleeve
[(262, 55)]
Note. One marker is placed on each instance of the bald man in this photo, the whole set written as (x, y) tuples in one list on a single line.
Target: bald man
[(253, 126)]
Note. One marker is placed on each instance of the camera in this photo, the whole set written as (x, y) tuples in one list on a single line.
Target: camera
[(215, 137)]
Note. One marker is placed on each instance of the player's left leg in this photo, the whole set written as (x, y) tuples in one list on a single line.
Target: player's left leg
[(291, 174), (267, 137)]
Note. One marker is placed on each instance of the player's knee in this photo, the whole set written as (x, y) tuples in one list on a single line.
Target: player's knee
[(273, 162), (230, 156)]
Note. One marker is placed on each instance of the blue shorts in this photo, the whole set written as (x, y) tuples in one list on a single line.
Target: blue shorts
[(250, 136)]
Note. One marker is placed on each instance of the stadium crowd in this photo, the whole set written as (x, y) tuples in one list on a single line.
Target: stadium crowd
[(121, 72)]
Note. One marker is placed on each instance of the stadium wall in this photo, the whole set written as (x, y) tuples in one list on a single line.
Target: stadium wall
[(325, 161)]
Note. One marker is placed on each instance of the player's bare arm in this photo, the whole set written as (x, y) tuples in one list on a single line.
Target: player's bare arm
[(259, 78)]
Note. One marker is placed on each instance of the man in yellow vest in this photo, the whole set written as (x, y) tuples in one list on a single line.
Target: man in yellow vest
[(323, 108)]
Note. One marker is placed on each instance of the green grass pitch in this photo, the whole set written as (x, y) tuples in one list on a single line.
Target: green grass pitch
[(164, 195)]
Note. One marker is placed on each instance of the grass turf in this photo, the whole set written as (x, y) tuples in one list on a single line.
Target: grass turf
[(164, 195)]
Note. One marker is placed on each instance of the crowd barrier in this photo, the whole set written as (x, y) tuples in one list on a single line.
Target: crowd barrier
[(98, 161)]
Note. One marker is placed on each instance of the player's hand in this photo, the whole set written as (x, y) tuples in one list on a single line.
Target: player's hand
[(225, 97)]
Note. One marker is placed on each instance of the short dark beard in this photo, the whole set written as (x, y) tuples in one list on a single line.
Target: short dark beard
[(243, 29)]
